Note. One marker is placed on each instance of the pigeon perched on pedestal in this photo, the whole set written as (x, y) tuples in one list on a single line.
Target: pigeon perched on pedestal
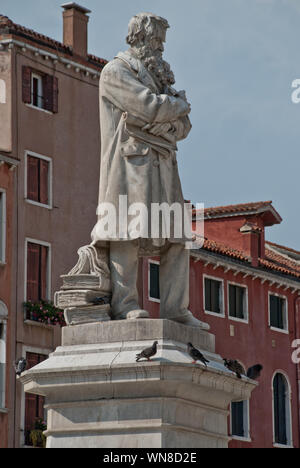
[(20, 365), (148, 352), (196, 355), (234, 366), (254, 371)]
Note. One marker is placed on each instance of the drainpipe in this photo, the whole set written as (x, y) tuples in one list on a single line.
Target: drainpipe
[(297, 336)]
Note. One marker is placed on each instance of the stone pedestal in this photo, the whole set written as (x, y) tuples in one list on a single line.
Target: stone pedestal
[(97, 396)]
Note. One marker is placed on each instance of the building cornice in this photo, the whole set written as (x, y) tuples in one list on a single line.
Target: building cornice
[(12, 162), (78, 67), (219, 261)]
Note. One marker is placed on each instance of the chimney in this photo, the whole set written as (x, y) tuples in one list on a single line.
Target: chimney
[(76, 28), (253, 241)]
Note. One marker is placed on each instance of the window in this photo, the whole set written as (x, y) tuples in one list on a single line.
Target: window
[(37, 96), (39, 89), (38, 179), (34, 404), (281, 410), (238, 302), (213, 290), (278, 312), (240, 419), (240, 424), (3, 321), (37, 277), (154, 293), (2, 225)]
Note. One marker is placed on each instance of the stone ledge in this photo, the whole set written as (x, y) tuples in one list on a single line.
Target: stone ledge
[(97, 395), (137, 330)]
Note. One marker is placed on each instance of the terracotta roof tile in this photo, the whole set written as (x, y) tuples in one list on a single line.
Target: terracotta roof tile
[(274, 266), (7, 26), (288, 249), (224, 250), (272, 260), (282, 263), (239, 208)]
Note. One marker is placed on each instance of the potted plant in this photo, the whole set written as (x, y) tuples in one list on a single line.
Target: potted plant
[(37, 436), (44, 312)]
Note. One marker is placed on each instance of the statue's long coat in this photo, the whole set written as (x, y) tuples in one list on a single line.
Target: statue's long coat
[(133, 161)]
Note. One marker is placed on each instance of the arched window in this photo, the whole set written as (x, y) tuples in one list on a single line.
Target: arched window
[(3, 320), (282, 410), (240, 420)]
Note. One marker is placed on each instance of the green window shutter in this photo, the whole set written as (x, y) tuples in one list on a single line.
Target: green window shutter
[(154, 281), (207, 283), (240, 292), (237, 418), (280, 423), (277, 312), (232, 301)]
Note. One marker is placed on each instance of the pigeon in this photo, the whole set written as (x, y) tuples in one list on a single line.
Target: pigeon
[(234, 366), (196, 355), (254, 371), (20, 365), (148, 352)]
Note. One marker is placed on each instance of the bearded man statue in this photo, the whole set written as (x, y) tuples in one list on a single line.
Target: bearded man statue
[(142, 118)]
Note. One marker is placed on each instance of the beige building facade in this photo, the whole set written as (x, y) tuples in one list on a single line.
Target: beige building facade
[(49, 172)]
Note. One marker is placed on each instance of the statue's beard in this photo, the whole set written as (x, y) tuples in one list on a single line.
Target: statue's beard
[(158, 68)]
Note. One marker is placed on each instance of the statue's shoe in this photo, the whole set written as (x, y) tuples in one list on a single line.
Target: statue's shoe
[(188, 319), (137, 314)]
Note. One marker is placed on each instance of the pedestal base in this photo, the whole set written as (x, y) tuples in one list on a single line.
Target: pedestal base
[(98, 396)]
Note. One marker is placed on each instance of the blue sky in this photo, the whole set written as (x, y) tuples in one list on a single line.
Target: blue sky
[(236, 59)]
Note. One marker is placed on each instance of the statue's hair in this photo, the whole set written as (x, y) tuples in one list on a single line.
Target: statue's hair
[(142, 25)]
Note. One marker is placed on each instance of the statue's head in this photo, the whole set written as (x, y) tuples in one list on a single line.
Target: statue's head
[(146, 35), (147, 29)]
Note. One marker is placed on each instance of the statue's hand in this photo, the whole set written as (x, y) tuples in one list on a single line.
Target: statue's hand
[(160, 129)]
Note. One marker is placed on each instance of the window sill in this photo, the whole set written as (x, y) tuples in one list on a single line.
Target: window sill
[(39, 324), (4, 410), (31, 106), (152, 299), (235, 319), (42, 205), (280, 330), (241, 439), (282, 446), (2, 263), (215, 314)]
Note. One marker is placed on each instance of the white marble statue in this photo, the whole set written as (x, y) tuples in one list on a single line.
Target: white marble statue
[(142, 118)]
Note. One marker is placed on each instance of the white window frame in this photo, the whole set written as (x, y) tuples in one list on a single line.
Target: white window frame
[(222, 296), (246, 419), (3, 226), (3, 356), (49, 269), (28, 349), (246, 302), (286, 313), (247, 437), (40, 90), (152, 299), (49, 206), (289, 420)]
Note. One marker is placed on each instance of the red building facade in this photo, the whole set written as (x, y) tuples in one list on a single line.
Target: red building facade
[(248, 289)]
